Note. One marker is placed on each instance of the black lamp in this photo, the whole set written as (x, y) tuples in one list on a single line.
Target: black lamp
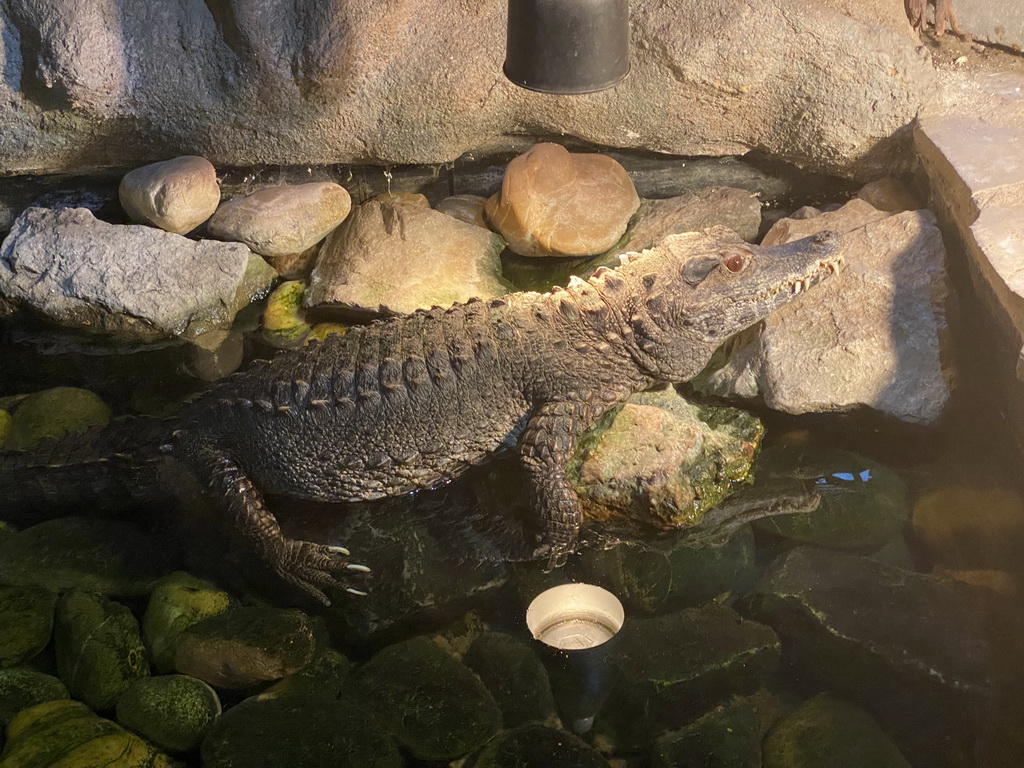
[(567, 46)]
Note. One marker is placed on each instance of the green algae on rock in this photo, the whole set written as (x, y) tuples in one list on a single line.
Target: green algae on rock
[(538, 746), (178, 601), (515, 677), (99, 649), (5, 427), (21, 688), (54, 412), (68, 734), (283, 324), (171, 711), (433, 704), (26, 622), (726, 737)]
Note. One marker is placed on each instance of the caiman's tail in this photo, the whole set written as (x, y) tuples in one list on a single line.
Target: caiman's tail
[(109, 470)]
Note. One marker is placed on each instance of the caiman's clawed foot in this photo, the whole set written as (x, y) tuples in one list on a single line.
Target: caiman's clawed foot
[(310, 567)]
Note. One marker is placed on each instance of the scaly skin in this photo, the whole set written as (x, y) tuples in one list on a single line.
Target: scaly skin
[(412, 402)]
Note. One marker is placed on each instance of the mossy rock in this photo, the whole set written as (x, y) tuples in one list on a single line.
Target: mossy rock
[(515, 677), (321, 331), (174, 712), (26, 622), (99, 649), (178, 601), (725, 737), (68, 734), (538, 746), (54, 412), (283, 324), (827, 732), (5, 427), (433, 704), (325, 676), (21, 688)]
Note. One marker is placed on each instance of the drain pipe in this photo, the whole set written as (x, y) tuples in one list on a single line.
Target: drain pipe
[(567, 46)]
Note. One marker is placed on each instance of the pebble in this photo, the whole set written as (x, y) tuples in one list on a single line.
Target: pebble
[(175, 195)]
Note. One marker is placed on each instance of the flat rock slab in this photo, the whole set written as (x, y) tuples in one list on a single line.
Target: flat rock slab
[(130, 281), (871, 337), (399, 257)]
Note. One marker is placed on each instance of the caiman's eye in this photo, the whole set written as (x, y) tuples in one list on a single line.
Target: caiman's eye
[(735, 263)]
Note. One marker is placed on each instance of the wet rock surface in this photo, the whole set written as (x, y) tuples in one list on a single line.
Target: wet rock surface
[(173, 712), (99, 649), (52, 413), (726, 737), (175, 195), (537, 746), (515, 677), (27, 615), (282, 221), (22, 687), (454, 713), (133, 282), (178, 601), (243, 646), (397, 257), (737, 209)]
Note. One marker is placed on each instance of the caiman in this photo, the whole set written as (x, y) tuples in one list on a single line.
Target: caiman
[(411, 402)]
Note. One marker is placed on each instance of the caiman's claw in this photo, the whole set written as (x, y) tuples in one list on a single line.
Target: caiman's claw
[(309, 567)]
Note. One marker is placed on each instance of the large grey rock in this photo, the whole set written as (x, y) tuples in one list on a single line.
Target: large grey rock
[(871, 337), (135, 282), (398, 257), (410, 81), (1001, 23)]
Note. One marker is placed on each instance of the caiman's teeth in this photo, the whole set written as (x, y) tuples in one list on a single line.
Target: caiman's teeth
[(796, 287)]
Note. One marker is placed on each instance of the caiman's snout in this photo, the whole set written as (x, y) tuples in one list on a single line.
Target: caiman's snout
[(827, 237)]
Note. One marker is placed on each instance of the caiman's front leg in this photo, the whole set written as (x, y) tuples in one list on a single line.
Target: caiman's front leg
[(545, 447), (304, 565)]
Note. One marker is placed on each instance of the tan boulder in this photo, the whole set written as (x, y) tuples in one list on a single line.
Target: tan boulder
[(553, 203), (467, 208), (282, 221), (175, 195), (889, 194)]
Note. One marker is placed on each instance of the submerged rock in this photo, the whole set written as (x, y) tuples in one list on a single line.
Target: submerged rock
[(863, 503), (432, 703), (99, 650), (5, 428), (215, 355), (269, 731), (872, 336), (678, 665), (515, 677), (537, 746), (132, 282), (21, 688), (827, 732), (171, 711), (54, 412), (178, 601), (282, 221), (737, 209), (556, 203), (325, 676), (398, 257), (68, 734), (175, 195), (94, 554), (726, 737), (662, 461), (247, 645), (26, 622)]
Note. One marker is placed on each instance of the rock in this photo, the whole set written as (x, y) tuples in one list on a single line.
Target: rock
[(538, 746), (283, 324), (965, 527), (112, 557), (467, 208), (67, 734), (737, 209), (899, 642), (26, 623), (178, 601), (21, 688), (827, 732), (515, 677), (5, 427), (983, 22), (281, 221), (663, 461), (402, 198), (171, 711), (863, 503), (175, 195), (323, 677), (680, 664), (399, 257), (54, 412), (296, 266), (672, 573), (215, 355), (805, 212), (553, 203), (267, 731), (454, 713), (99, 650), (891, 195), (321, 331), (725, 737), (870, 337), (133, 282), (243, 646), (335, 87)]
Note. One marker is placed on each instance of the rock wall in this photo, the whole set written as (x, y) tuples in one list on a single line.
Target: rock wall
[(99, 83)]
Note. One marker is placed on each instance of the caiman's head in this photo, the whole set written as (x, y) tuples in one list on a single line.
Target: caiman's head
[(694, 291)]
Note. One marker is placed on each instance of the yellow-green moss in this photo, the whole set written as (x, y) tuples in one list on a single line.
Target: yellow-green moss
[(52, 413), (283, 324)]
